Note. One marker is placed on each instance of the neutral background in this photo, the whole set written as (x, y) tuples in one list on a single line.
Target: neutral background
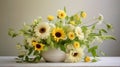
[(13, 13)]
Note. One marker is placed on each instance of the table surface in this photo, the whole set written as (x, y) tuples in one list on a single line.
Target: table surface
[(9, 61)]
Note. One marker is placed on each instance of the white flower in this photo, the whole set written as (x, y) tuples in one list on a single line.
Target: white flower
[(42, 30), (74, 55), (79, 33)]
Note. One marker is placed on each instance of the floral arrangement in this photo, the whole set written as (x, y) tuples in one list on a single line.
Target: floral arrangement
[(70, 34)]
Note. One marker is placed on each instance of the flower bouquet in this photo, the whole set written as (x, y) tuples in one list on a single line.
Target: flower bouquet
[(68, 33)]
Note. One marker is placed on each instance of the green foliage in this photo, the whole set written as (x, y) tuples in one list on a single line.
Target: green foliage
[(12, 33), (109, 26), (93, 50)]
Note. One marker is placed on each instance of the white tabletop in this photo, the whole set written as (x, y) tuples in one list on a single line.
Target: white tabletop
[(9, 61)]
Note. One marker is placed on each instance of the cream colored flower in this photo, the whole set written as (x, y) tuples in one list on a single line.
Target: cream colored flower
[(79, 33), (74, 55), (42, 30)]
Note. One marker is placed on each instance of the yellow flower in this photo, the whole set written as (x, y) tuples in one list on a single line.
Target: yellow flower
[(76, 45), (83, 14), (72, 22), (50, 17), (87, 59), (61, 14), (34, 42), (71, 35), (58, 33), (39, 47)]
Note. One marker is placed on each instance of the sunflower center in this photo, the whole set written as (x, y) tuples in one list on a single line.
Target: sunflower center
[(58, 34), (62, 14), (42, 30), (38, 46), (75, 54)]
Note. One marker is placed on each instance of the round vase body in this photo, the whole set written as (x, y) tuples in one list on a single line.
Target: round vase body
[(53, 55)]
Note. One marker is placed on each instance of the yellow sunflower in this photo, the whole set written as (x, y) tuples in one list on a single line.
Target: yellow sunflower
[(71, 35), (76, 44), (58, 33), (50, 17), (61, 14), (39, 47)]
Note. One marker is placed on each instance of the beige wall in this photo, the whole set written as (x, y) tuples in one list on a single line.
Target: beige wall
[(13, 13)]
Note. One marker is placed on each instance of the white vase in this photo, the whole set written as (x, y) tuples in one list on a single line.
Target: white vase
[(53, 55)]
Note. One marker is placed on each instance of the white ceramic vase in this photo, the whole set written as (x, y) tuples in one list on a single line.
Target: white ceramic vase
[(53, 55)]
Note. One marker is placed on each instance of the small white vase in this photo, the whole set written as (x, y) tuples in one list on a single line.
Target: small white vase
[(53, 55)]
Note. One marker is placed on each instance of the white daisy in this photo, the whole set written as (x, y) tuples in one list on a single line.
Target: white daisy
[(79, 33), (74, 55), (42, 30)]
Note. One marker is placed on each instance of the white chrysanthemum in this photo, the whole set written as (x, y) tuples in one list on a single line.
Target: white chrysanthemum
[(79, 33), (74, 55), (42, 30)]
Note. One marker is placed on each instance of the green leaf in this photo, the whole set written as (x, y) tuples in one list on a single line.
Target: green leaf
[(62, 48), (94, 34), (26, 46), (27, 58), (66, 17), (108, 37), (65, 9), (35, 52), (20, 56), (12, 33), (93, 27), (30, 51), (84, 29), (109, 26), (94, 60), (37, 59), (93, 50), (102, 31)]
